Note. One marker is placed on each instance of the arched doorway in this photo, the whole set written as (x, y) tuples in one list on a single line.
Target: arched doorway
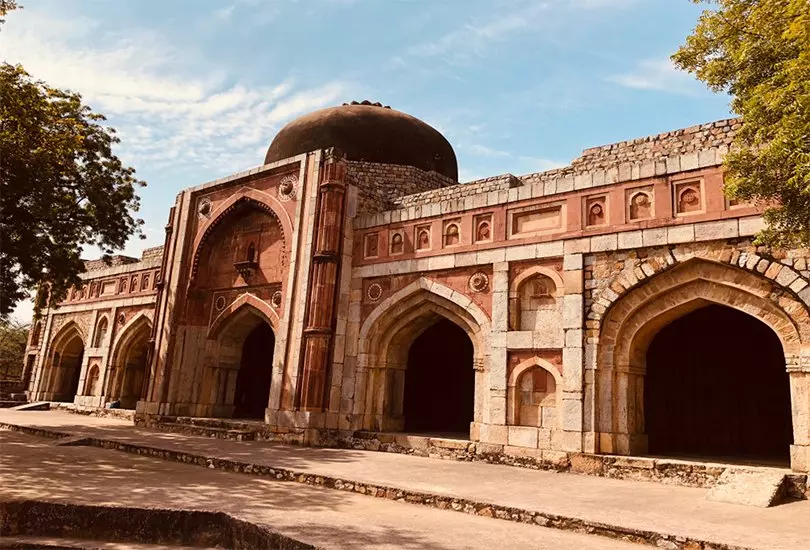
[(128, 367), (716, 387), (67, 368), (255, 373), (440, 381)]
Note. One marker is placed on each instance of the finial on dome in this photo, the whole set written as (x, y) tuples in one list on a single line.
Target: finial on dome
[(369, 103)]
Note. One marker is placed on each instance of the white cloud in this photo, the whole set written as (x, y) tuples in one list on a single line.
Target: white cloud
[(659, 75), (165, 114), (480, 34), (473, 39)]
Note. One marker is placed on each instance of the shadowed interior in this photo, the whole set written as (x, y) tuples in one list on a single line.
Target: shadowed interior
[(440, 381), (706, 395), (255, 371)]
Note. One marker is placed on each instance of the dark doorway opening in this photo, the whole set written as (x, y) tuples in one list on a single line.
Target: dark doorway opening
[(440, 381), (716, 387), (255, 373), (70, 369)]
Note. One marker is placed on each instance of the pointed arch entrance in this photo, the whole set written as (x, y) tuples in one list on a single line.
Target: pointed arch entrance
[(676, 366), (423, 352), (239, 380), (707, 396), (129, 363), (65, 370)]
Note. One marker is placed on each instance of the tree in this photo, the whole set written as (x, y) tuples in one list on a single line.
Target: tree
[(5, 7), (759, 52), (13, 339), (61, 187)]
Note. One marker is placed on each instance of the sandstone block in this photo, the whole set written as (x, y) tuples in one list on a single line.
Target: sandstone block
[(572, 262), (723, 229), (519, 339), (751, 226), (523, 436), (577, 246), (603, 243), (654, 237), (680, 234), (571, 415), (762, 488), (630, 239), (572, 311)]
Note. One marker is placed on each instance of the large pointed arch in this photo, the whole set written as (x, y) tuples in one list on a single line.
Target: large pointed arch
[(387, 333), (128, 332), (128, 365), (245, 304), (633, 319), (245, 195), (61, 376)]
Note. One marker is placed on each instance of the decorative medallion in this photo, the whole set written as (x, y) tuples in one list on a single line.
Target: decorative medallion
[(286, 187), (275, 299), (219, 303), (122, 319), (479, 282), (204, 207), (374, 292)]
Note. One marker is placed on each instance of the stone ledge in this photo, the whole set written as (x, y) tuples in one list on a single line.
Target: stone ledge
[(138, 525)]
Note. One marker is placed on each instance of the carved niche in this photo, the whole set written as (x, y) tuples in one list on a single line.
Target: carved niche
[(595, 211), (483, 228), (371, 245), (397, 243), (688, 197), (640, 204), (422, 237), (452, 232)]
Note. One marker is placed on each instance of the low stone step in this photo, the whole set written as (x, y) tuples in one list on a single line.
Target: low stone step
[(755, 487), (207, 431), (36, 406)]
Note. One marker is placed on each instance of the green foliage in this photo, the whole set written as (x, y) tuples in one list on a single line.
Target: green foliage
[(759, 52), (61, 187), (7, 6), (13, 339)]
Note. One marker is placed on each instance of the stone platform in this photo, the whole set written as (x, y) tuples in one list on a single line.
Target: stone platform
[(686, 473), (655, 513)]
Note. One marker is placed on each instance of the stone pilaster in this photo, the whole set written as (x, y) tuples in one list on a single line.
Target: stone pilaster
[(323, 288), (571, 419), (496, 406)]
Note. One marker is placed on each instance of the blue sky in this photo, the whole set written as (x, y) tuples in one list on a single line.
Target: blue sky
[(198, 88)]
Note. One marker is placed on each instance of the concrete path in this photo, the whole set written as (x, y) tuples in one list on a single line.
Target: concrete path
[(635, 505), (36, 468)]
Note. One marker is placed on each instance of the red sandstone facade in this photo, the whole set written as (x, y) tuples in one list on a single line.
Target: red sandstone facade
[(543, 315)]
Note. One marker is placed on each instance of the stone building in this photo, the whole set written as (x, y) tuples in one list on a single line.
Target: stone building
[(350, 285)]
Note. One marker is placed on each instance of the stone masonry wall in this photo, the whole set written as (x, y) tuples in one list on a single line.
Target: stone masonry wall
[(381, 184), (667, 153), (495, 183)]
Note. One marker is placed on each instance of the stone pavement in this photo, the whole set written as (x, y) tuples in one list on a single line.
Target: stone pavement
[(35, 468), (675, 511)]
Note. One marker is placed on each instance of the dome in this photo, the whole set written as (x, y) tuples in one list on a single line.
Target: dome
[(368, 132)]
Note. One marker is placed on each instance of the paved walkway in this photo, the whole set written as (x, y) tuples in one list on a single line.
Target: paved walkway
[(635, 505), (35, 468)]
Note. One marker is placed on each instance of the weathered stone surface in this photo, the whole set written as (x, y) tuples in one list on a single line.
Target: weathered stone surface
[(760, 488)]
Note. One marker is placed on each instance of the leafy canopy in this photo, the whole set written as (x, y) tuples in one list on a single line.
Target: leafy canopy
[(759, 52), (13, 339), (61, 187)]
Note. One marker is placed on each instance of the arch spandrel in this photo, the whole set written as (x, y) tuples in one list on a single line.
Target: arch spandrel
[(245, 304), (388, 316), (245, 195)]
